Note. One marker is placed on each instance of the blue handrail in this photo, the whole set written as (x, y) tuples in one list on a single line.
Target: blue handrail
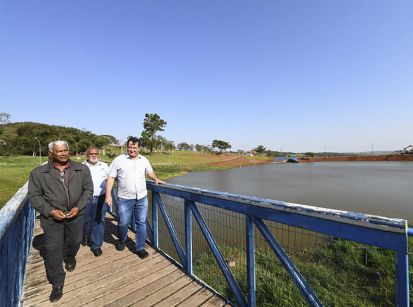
[(382, 232), (16, 228), (17, 222)]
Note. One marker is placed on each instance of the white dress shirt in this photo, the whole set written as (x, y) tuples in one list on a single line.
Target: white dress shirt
[(99, 172), (130, 174)]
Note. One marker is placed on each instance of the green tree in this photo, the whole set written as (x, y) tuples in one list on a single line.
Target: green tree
[(260, 149), (221, 145), (20, 138), (152, 123), (163, 144), (184, 146)]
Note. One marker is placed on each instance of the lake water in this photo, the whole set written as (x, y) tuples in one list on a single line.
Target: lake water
[(380, 188)]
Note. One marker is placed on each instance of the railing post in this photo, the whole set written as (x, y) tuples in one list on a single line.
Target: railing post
[(188, 237), (155, 219), (402, 268), (249, 227)]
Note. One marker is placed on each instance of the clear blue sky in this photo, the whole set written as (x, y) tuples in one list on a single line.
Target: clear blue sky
[(293, 75)]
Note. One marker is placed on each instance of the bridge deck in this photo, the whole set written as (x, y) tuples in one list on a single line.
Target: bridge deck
[(115, 278)]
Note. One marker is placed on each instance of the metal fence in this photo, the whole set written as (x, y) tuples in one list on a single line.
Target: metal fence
[(247, 240), (16, 228)]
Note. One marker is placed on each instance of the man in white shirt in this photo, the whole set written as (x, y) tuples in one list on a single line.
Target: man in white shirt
[(95, 211), (130, 170)]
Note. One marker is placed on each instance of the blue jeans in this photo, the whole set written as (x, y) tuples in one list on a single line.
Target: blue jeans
[(138, 208), (94, 221)]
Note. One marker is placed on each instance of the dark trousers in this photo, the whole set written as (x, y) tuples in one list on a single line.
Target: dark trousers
[(62, 241)]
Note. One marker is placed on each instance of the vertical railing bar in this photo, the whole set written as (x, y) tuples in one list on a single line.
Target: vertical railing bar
[(171, 229), (218, 256), (402, 276), (155, 224), (288, 264), (249, 227), (188, 237), (149, 229)]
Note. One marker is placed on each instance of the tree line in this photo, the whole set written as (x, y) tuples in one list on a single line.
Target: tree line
[(29, 138), (153, 123), (24, 138)]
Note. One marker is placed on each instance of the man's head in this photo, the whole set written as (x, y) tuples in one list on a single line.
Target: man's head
[(92, 155), (134, 145), (59, 150)]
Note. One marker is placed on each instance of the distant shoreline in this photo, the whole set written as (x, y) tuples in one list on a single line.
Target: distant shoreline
[(391, 157)]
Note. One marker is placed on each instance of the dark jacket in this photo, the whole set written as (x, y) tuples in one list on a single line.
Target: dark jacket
[(47, 191)]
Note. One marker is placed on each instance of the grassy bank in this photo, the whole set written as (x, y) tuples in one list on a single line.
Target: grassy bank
[(14, 171), (339, 273)]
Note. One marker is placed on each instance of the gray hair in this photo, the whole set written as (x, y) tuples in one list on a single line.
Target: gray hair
[(57, 143), (90, 148)]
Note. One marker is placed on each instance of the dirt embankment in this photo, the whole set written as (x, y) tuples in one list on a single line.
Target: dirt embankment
[(361, 158), (239, 161)]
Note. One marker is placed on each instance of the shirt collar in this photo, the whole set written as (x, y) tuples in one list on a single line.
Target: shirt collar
[(90, 164), (128, 157), (68, 164)]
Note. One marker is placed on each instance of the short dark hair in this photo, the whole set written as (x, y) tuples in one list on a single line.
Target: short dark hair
[(134, 140)]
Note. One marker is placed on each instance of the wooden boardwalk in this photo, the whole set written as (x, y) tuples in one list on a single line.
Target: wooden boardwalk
[(115, 278)]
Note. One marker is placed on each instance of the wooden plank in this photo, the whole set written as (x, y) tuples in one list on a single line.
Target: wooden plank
[(74, 277), (163, 293), (116, 294), (214, 301), (198, 298), (91, 274), (117, 278), (103, 286), (181, 295), (148, 289)]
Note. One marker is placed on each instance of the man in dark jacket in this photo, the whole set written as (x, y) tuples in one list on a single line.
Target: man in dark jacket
[(59, 191)]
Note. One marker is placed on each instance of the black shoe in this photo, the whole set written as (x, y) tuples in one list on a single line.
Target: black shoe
[(70, 264), (142, 254), (120, 246), (56, 294), (97, 251), (86, 241)]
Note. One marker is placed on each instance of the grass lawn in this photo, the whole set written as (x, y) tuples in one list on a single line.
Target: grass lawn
[(15, 171)]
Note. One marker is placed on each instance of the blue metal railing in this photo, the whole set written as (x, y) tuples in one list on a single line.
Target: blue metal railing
[(17, 222), (387, 233), (16, 228)]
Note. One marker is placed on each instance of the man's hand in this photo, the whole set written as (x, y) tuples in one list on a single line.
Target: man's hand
[(158, 181), (108, 200), (73, 213), (57, 214)]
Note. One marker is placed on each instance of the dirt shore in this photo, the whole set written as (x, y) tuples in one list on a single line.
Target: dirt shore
[(240, 161), (360, 158)]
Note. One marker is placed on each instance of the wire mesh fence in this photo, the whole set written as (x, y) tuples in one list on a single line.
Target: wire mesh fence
[(341, 272)]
